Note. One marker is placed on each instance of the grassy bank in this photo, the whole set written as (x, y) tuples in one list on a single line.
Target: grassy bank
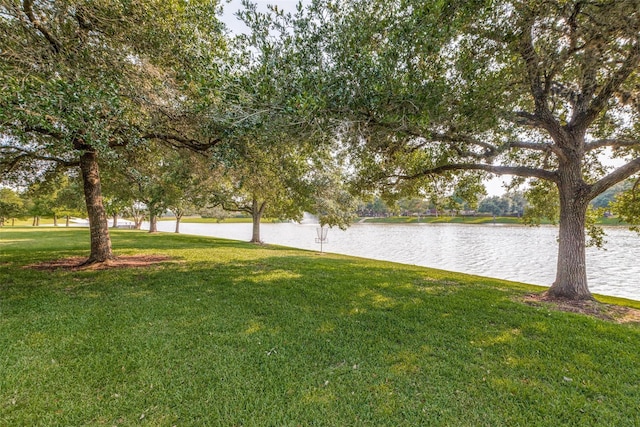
[(229, 333)]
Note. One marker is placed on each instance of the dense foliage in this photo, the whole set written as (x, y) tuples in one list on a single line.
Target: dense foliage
[(536, 89)]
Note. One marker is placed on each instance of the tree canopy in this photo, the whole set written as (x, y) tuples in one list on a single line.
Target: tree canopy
[(82, 79), (425, 98), (537, 89)]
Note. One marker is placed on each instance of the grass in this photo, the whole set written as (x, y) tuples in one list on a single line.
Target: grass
[(232, 334)]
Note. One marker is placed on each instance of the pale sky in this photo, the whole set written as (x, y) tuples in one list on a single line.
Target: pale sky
[(233, 6)]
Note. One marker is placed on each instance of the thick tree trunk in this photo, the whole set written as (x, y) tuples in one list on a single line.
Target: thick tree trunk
[(256, 215), (153, 223), (153, 220), (115, 220), (98, 225), (255, 235), (571, 273)]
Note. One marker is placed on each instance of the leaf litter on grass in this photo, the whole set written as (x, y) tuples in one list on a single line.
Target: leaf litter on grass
[(77, 263), (600, 310)]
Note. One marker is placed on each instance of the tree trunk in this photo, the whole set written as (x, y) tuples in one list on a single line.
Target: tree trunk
[(153, 220), (178, 218), (115, 220), (571, 273), (55, 220), (98, 225), (256, 215), (255, 235), (67, 221)]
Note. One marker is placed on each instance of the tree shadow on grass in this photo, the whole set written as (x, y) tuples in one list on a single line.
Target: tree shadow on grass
[(78, 263), (331, 334), (139, 249)]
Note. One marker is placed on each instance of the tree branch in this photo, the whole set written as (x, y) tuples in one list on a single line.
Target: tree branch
[(234, 208), (527, 119), (498, 170), (532, 64), (620, 174), (543, 117), (535, 146), (182, 142), (613, 143), (11, 156), (27, 6), (44, 131), (630, 65), (464, 139)]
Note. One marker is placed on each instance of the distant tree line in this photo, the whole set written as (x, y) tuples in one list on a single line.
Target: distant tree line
[(512, 203)]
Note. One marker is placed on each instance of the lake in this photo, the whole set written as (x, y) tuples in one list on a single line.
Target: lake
[(519, 253)]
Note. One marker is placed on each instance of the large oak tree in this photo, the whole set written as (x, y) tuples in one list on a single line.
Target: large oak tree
[(270, 163), (539, 89), (81, 79)]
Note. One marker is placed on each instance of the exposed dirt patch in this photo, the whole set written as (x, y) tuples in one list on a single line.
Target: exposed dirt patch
[(77, 263), (597, 309)]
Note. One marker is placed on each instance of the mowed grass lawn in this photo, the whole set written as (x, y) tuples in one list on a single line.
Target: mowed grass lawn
[(232, 334)]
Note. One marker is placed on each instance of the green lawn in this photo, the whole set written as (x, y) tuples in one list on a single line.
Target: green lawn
[(231, 334)]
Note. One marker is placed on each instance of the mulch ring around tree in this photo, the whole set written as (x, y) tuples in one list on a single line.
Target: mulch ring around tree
[(78, 263), (614, 313)]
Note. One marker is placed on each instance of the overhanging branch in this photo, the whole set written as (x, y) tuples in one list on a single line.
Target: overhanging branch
[(522, 171), (27, 6), (182, 142), (526, 119), (620, 174), (233, 207), (10, 152), (599, 103), (613, 143)]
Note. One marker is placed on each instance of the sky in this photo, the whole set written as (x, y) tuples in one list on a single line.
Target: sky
[(233, 6), (494, 186)]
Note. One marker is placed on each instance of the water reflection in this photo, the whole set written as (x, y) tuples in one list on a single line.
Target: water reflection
[(524, 254)]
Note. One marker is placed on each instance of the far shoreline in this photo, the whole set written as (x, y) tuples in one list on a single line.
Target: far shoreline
[(471, 220)]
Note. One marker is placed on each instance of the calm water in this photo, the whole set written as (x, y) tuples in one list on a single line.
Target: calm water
[(523, 254)]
